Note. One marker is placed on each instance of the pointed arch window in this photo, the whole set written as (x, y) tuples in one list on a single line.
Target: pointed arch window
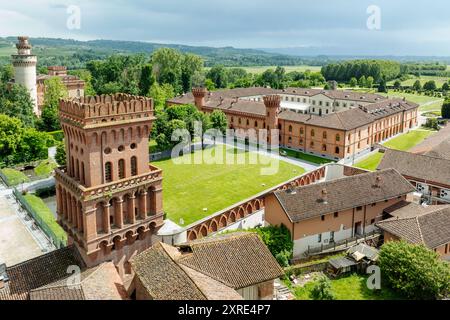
[(108, 172), (134, 166), (121, 169)]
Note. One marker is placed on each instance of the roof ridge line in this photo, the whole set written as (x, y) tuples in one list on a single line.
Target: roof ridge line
[(419, 229)]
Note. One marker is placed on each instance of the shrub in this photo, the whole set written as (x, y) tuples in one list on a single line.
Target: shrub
[(283, 258), (322, 289), (446, 109), (432, 123), (277, 239), (414, 270)]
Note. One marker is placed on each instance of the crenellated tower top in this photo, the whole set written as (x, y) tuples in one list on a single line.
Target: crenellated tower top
[(104, 109)]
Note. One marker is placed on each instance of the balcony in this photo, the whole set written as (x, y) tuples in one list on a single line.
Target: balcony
[(89, 193)]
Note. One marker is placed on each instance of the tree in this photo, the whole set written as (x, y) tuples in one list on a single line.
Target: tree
[(446, 109), (397, 84), (362, 82), (414, 270), (6, 73), (353, 82), (218, 75), (219, 120), (60, 156), (382, 86), (430, 85), (11, 132), (191, 64), (167, 67), (16, 102), (147, 79), (322, 289), (432, 123), (417, 86), (369, 82), (445, 87), (160, 94), (34, 146), (54, 91), (198, 80)]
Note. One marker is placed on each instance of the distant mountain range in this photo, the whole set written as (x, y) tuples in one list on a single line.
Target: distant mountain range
[(74, 54)]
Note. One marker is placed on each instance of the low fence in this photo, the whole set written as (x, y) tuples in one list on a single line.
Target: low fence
[(58, 242), (313, 267), (343, 244)]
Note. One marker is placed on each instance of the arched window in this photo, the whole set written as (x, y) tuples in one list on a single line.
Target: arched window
[(108, 172), (301, 130), (324, 147), (324, 134), (232, 119), (256, 124), (312, 144), (134, 166), (290, 139), (121, 169), (338, 137), (290, 128), (248, 122), (83, 176), (337, 150), (312, 132)]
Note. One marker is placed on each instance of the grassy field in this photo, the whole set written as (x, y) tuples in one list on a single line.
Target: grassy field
[(403, 142), (45, 214), (305, 156), (439, 80), (189, 188), (408, 140), (45, 168), (353, 287), (15, 177)]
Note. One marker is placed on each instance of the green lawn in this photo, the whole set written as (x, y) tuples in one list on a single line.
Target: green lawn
[(408, 140), (353, 287), (403, 142), (189, 188), (305, 156), (439, 80), (416, 98), (45, 168), (15, 177), (433, 106), (45, 214)]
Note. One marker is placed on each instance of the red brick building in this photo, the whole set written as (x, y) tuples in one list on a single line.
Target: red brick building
[(109, 199), (331, 123)]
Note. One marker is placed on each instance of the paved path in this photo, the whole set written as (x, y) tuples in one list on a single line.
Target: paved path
[(20, 238)]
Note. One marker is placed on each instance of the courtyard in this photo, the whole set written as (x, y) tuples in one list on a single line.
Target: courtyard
[(194, 191)]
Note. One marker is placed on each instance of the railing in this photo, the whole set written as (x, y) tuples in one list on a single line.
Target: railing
[(342, 244), (58, 241)]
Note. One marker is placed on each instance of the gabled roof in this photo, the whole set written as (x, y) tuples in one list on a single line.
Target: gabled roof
[(427, 168), (210, 268), (238, 260), (442, 150), (99, 283), (342, 194), (430, 227), (38, 272)]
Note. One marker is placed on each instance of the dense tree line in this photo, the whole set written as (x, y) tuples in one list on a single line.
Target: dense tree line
[(377, 69)]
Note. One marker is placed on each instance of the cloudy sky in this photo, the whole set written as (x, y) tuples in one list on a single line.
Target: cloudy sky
[(406, 27)]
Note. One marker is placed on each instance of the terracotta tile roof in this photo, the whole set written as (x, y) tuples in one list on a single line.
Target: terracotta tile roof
[(423, 167), (430, 227), (210, 268), (162, 277), (341, 194), (38, 272), (442, 150), (238, 260), (344, 120), (99, 283)]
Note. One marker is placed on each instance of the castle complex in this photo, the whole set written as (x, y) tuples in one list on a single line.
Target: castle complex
[(24, 63), (334, 124), (109, 199)]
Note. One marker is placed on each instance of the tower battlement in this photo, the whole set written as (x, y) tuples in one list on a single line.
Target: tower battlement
[(105, 108), (272, 101)]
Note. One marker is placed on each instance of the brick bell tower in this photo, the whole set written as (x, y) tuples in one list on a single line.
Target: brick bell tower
[(272, 104), (109, 199)]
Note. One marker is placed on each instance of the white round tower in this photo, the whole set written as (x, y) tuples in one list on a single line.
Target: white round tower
[(25, 69)]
